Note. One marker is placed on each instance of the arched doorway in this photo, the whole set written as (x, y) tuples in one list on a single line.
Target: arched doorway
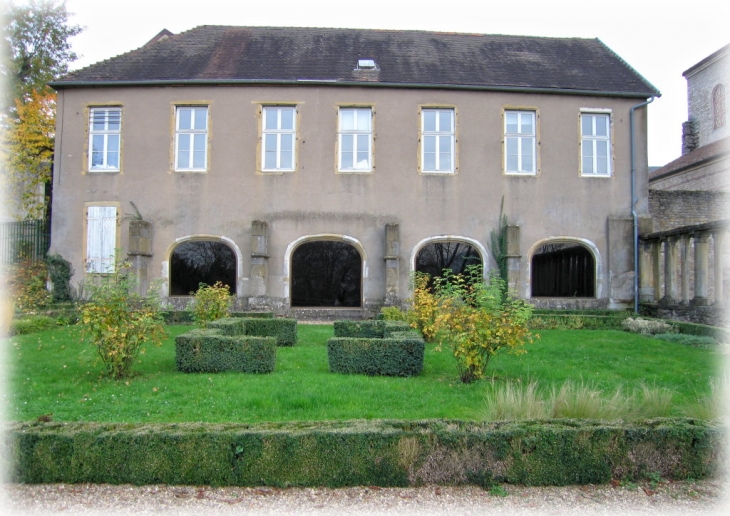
[(455, 255), (563, 269), (326, 273), (201, 261)]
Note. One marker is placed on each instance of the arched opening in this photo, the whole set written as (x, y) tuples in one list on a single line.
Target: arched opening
[(326, 273), (201, 261), (457, 256), (563, 269)]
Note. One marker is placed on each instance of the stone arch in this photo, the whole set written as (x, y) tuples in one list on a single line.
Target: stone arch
[(564, 267), (451, 253), (196, 259), (325, 270)]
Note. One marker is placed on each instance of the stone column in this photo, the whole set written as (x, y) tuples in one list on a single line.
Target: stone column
[(719, 239), (684, 267), (656, 248), (259, 262), (140, 253), (670, 271), (646, 272), (513, 258), (392, 264), (701, 265)]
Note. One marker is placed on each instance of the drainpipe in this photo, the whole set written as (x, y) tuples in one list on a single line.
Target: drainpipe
[(634, 200)]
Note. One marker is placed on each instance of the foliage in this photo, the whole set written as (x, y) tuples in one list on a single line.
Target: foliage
[(211, 303), (28, 152), (283, 330), (32, 324), (498, 245), (393, 313), (60, 272), (479, 321), (688, 340), (118, 322), (37, 48), (647, 326), (424, 307), (27, 283), (210, 351), (399, 354)]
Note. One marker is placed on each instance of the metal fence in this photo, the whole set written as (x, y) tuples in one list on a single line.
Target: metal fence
[(25, 240)]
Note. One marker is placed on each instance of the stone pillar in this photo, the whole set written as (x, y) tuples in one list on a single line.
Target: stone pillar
[(670, 271), (684, 267), (656, 247), (514, 258), (646, 272), (140, 253), (392, 264), (259, 262), (702, 245), (719, 239)]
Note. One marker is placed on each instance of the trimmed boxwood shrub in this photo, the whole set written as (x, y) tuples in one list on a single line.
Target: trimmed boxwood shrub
[(355, 453), (210, 351), (284, 330), (370, 329), (398, 355), (254, 315)]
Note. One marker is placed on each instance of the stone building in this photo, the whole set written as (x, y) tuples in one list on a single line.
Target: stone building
[(686, 257), (312, 170)]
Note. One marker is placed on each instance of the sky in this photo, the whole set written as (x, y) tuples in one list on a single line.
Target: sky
[(659, 38)]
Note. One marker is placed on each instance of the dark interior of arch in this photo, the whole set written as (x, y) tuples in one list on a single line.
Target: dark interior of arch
[(563, 270), (201, 261), (433, 258), (326, 273)]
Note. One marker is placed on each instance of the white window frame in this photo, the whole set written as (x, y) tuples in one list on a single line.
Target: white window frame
[(101, 238), (356, 136), (438, 135), (193, 135), (106, 135), (526, 142), (278, 134), (591, 142)]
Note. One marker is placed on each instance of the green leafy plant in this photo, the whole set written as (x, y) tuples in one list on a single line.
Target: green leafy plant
[(117, 321), (647, 326), (27, 283), (60, 272), (393, 313), (424, 304), (211, 303), (478, 320)]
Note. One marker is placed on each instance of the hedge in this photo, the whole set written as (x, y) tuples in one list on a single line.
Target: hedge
[(186, 316), (284, 330), (370, 329), (373, 452), (210, 351), (573, 319), (399, 355)]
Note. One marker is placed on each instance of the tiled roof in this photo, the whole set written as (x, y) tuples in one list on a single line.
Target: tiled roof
[(408, 58), (692, 159)]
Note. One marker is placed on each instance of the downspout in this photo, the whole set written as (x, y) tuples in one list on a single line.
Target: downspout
[(635, 200)]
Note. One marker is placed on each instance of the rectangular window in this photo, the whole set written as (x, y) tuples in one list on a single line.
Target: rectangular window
[(105, 130), (355, 139), (279, 138), (595, 144), (191, 138), (437, 140), (519, 142), (101, 238)]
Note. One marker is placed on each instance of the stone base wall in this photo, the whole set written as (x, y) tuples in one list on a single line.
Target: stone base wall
[(710, 315)]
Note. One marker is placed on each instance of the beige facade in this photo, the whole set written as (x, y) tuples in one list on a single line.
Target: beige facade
[(316, 201)]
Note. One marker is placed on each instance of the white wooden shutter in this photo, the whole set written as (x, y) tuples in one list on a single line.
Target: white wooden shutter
[(101, 238)]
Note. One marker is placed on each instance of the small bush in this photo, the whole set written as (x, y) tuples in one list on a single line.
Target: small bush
[(118, 322), (393, 313), (399, 355), (647, 326), (207, 350), (26, 282), (60, 272), (211, 303), (32, 324), (688, 340)]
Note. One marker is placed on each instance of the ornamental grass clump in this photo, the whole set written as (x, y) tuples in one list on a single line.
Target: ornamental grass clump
[(211, 303), (118, 322), (478, 320)]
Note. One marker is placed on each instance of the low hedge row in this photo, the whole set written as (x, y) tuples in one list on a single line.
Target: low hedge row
[(550, 320), (284, 330), (186, 316), (400, 354), (210, 351), (370, 329), (351, 453)]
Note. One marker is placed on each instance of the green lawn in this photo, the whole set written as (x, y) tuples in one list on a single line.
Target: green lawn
[(55, 372)]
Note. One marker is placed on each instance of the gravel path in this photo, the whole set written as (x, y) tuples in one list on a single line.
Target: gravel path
[(706, 497)]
